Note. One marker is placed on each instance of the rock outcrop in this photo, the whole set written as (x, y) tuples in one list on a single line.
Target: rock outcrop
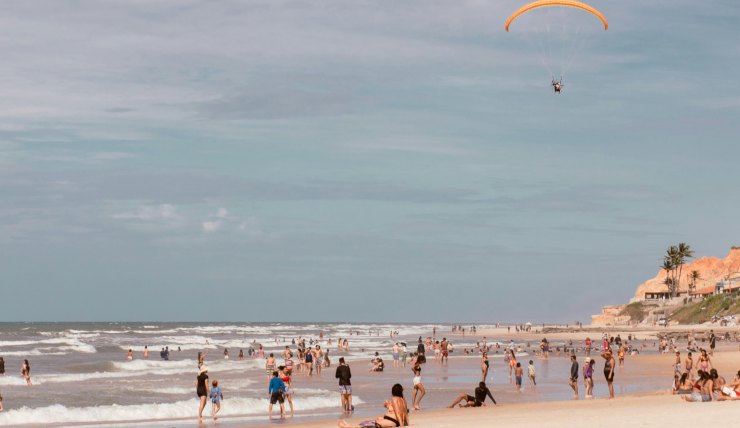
[(711, 271)]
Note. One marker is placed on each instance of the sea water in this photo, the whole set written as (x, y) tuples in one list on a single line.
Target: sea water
[(81, 375)]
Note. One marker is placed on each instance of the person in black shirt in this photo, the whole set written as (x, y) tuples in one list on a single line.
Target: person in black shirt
[(481, 392), (202, 389), (574, 376), (712, 342), (344, 375)]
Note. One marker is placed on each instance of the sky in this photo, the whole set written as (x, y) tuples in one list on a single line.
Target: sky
[(332, 160)]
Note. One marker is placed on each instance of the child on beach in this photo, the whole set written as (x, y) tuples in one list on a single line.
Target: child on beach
[(518, 375), (532, 373), (216, 397)]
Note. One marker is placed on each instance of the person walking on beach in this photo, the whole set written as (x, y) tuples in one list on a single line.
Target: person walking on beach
[(26, 372), (532, 373), (277, 394), (344, 375), (609, 371), (712, 342), (201, 389), (418, 386), (216, 397), (574, 376)]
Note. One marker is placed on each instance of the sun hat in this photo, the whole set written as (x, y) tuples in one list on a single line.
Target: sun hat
[(203, 369)]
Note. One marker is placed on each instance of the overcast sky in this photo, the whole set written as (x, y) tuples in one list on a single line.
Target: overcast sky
[(358, 160)]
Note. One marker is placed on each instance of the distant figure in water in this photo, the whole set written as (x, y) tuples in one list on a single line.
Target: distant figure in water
[(146, 352), (130, 355), (226, 353), (26, 371), (2, 366)]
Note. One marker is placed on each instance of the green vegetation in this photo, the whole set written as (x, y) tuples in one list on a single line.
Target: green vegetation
[(676, 256), (704, 310), (637, 311)]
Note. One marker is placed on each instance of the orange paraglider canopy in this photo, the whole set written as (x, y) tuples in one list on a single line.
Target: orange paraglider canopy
[(566, 3)]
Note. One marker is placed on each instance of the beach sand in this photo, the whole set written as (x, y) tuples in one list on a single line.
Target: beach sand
[(658, 409)]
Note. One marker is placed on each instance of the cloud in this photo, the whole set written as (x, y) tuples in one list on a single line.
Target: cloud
[(220, 217), (211, 226), (165, 213)]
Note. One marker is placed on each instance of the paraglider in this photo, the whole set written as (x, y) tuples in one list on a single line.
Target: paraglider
[(548, 3), (557, 85)]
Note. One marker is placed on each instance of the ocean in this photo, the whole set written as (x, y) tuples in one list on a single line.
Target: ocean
[(81, 374)]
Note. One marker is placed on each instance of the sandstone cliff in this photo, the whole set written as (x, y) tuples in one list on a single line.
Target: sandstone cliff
[(711, 271)]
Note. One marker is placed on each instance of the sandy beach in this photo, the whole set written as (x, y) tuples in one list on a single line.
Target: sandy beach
[(657, 409)]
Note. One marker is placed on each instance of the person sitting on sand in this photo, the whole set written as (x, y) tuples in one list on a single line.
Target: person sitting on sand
[(702, 389), (684, 385), (478, 400), (396, 416), (378, 365)]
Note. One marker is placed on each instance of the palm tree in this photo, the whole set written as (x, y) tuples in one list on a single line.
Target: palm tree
[(668, 267), (683, 252), (693, 277), (668, 281)]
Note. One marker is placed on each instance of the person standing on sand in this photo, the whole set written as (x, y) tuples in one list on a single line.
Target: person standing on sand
[(609, 371), (396, 352), (344, 375), (418, 386), (712, 342), (574, 376), (201, 389)]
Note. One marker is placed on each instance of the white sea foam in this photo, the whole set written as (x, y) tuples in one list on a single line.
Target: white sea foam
[(235, 406)]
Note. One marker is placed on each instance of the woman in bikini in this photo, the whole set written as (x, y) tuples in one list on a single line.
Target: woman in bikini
[(396, 416), (484, 364), (512, 362), (609, 371), (284, 374), (26, 372), (418, 386)]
